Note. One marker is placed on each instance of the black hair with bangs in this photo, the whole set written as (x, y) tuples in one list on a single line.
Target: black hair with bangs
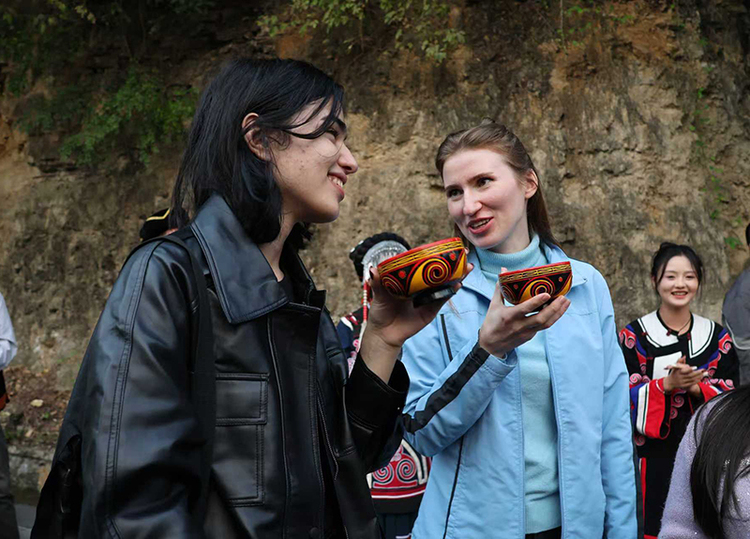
[(667, 251), (217, 158)]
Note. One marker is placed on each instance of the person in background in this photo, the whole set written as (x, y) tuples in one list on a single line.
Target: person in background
[(8, 349), (736, 317), (523, 408), (160, 223), (397, 488), (677, 361), (709, 495)]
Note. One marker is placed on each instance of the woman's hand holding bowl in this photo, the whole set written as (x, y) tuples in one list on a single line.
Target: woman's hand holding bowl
[(506, 328), (391, 321)]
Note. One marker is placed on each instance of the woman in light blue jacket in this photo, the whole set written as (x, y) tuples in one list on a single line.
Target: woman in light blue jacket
[(526, 415)]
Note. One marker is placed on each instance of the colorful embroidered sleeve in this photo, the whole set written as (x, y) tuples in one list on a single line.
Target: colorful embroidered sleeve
[(650, 406), (722, 368)]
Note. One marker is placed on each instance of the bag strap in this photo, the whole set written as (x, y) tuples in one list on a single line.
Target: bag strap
[(202, 367), (58, 510)]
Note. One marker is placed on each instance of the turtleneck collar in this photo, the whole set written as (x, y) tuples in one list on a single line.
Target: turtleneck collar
[(491, 262)]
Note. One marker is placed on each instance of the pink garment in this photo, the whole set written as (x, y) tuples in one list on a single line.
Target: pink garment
[(678, 521)]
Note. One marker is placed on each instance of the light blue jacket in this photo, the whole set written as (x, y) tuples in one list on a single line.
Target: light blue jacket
[(464, 408)]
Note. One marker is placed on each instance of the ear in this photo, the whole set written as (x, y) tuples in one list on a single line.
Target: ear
[(252, 137), (531, 184)]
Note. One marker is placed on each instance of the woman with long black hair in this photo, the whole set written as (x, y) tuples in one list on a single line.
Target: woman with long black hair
[(677, 360), (709, 496), (293, 435)]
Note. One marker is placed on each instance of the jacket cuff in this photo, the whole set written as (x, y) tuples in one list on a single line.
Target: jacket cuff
[(370, 399), (500, 365)]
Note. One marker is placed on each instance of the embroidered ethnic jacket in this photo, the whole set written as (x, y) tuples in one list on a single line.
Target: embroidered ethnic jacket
[(660, 419)]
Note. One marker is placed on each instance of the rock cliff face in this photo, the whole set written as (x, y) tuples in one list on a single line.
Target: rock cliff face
[(626, 127), (639, 123)]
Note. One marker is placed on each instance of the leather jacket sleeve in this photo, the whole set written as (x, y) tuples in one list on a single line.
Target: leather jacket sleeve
[(374, 409), (142, 451)]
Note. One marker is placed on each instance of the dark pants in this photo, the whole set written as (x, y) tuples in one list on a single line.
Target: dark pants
[(8, 524), (396, 525), (549, 534)]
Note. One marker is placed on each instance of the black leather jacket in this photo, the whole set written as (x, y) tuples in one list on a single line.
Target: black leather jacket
[(281, 384)]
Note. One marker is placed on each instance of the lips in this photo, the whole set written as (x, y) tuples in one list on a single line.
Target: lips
[(478, 226), (339, 181)]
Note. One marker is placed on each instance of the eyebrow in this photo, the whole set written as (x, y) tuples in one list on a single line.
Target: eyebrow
[(342, 126), (474, 178)]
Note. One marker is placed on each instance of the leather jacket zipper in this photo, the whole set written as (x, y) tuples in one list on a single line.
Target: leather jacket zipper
[(333, 457), (328, 441), (318, 470), (272, 346)]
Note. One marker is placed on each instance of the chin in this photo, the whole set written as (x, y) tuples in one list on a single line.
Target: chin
[(323, 217), (488, 243)]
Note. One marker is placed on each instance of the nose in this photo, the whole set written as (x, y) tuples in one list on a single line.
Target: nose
[(471, 203), (347, 161)]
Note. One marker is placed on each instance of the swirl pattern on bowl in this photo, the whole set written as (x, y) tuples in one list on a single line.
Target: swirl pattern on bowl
[(554, 279), (423, 268)]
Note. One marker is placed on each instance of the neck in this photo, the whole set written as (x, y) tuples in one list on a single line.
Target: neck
[(272, 250), (515, 243), (675, 318), (492, 263)]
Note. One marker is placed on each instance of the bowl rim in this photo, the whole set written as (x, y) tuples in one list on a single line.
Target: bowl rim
[(415, 250), (564, 263)]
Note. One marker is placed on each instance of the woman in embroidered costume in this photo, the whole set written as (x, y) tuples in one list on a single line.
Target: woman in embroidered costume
[(677, 361), (397, 488)]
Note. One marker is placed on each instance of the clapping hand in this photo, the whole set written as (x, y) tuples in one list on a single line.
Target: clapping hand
[(683, 376)]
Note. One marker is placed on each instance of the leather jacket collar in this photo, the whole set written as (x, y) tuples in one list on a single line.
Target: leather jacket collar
[(244, 281)]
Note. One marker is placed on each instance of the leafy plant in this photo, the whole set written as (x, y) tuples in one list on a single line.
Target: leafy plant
[(142, 108), (577, 20), (733, 242), (420, 24), (47, 39)]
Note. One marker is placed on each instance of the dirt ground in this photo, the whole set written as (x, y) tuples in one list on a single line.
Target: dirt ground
[(35, 410)]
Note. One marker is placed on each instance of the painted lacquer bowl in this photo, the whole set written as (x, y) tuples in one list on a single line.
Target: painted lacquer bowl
[(427, 268), (554, 279)]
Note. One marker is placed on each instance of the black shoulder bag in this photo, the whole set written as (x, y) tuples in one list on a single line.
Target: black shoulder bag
[(59, 508)]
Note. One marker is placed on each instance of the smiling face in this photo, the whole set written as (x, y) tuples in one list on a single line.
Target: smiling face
[(487, 201), (312, 173), (678, 284)]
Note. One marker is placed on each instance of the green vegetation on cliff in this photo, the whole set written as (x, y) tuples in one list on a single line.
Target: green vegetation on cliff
[(417, 25), (50, 50), (49, 44)]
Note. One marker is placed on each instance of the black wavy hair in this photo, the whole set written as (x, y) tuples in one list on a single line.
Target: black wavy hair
[(667, 251), (357, 254), (719, 460), (217, 158)]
